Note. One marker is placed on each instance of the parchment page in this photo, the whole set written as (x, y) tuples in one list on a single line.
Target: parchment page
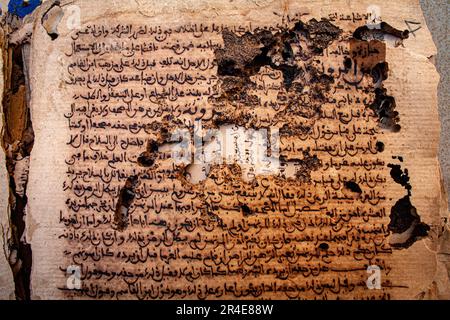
[(6, 276), (235, 150)]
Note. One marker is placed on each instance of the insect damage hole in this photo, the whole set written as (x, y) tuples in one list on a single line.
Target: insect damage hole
[(126, 197)]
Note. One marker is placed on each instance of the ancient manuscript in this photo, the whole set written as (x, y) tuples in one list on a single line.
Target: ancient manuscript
[(222, 150)]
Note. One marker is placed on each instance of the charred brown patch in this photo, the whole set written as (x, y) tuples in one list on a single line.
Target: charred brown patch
[(379, 73), (242, 56), (304, 88), (319, 34), (379, 145), (400, 176), (288, 51), (148, 157), (161, 134), (303, 167), (246, 211), (384, 107), (352, 186)]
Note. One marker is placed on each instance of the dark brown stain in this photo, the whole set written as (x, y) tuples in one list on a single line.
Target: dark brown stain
[(379, 72), (379, 145), (148, 157), (352, 186), (318, 33), (246, 211), (384, 107), (126, 197), (400, 176), (347, 63)]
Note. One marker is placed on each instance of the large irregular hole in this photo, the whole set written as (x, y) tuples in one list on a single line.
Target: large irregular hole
[(384, 107), (246, 211), (379, 145), (405, 223), (400, 176)]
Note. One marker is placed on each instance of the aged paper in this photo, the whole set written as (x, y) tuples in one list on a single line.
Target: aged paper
[(233, 150), (6, 277)]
